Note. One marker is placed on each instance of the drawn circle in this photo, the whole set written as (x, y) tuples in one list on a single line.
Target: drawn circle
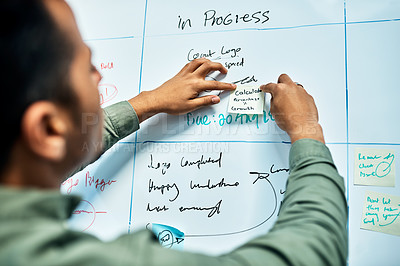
[(379, 169), (166, 238), (87, 214)]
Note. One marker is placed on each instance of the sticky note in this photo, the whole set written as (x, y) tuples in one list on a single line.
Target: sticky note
[(168, 236), (246, 100), (381, 213), (374, 167)]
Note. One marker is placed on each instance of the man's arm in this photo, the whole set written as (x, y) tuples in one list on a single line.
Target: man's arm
[(179, 95), (311, 227), (120, 120)]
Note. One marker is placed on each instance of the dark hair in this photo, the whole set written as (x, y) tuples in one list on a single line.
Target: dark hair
[(35, 57)]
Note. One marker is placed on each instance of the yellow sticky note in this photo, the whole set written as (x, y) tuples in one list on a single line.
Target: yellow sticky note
[(374, 167), (381, 213), (246, 100)]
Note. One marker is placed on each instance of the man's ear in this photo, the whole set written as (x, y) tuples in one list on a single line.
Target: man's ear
[(44, 130)]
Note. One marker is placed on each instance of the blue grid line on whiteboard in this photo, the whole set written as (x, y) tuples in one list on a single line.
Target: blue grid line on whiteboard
[(374, 143), (280, 28), (134, 151), (250, 29), (255, 141), (347, 111), (253, 29), (112, 38), (206, 141), (373, 21), (347, 95)]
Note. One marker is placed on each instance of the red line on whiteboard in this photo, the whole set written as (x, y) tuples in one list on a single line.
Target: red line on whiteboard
[(91, 210)]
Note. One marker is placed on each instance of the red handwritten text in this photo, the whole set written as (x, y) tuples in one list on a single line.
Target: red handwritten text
[(109, 65), (70, 183), (99, 184), (107, 92)]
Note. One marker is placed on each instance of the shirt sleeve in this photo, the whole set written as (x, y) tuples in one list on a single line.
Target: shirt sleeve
[(311, 227), (120, 120)]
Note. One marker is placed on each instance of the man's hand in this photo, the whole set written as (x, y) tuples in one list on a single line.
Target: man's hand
[(294, 109), (179, 95)]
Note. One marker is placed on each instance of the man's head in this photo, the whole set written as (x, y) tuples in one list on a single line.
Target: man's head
[(48, 83)]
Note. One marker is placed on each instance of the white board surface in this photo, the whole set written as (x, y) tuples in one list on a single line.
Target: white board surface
[(345, 53)]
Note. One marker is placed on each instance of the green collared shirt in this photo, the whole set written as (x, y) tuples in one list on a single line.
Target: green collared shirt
[(310, 230)]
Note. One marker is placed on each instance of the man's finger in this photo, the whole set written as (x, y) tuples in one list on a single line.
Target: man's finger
[(269, 88), (284, 79), (195, 64), (204, 101), (216, 85), (208, 67), (184, 69)]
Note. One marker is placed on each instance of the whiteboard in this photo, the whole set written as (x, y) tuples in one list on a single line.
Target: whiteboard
[(345, 53)]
